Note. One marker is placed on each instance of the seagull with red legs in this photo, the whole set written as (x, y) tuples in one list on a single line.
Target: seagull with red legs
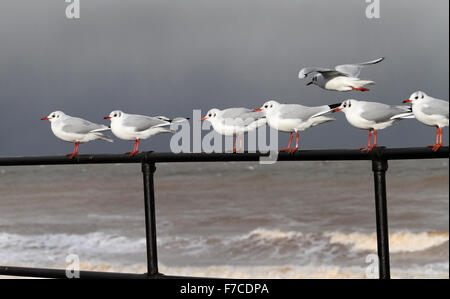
[(75, 130), (431, 112), (343, 77), (234, 122), (136, 127), (372, 116), (294, 118)]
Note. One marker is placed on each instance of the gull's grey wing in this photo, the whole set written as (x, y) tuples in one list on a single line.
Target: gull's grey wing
[(241, 116), (304, 72), (353, 70), (294, 111), (254, 114), (379, 112), (234, 112), (436, 107), (81, 126), (142, 122)]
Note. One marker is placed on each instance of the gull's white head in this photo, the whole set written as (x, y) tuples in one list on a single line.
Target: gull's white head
[(268, 106), (346, 106), (54, 116), (116, 114), (211, 114), (416, 97)]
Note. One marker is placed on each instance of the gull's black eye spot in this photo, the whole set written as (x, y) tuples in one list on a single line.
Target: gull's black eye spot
[(416, 97), (115, 115), (53, 115), (210, 115), (265, 106)]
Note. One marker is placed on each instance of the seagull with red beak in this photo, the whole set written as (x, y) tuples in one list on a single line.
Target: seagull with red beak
[(293, 118), (75, 130), (136, 127), (372, 116), (342, 78), (234, 122), (431, 112)]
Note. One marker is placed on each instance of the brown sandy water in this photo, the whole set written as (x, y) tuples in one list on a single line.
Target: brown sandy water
[(293, 220)]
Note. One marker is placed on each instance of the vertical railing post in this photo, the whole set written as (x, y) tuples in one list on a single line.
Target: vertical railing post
[(148, 169), (379, 168)]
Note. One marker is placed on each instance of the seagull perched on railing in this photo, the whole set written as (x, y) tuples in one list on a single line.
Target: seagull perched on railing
[(293, 118), (76, 130), (372, 116), (234, 122), (431, 112), (136, 127), (342, 78)]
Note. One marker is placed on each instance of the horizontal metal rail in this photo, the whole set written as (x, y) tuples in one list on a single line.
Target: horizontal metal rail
[(379, 157), (304, 155), (61, 274)]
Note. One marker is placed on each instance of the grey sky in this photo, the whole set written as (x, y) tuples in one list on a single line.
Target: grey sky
[(169, 57)]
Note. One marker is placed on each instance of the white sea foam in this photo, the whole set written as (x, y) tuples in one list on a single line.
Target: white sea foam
[(275, 246), (398, 241), (273, 234), (45, 248)]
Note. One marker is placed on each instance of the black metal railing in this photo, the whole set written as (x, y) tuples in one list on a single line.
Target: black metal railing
[(379, 157)]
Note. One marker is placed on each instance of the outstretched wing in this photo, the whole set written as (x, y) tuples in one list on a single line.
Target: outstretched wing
[(77, 125), (353, 70), (304, 72)]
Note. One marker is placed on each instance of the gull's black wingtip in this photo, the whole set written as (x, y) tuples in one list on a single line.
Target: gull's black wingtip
[(333, 106)]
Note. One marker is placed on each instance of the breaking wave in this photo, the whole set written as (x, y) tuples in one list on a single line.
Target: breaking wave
[(262, 253), (398, 241)]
